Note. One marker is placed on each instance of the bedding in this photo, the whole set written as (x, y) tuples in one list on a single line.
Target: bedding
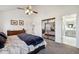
[(3, 39), (32, 48), (15, 45), (30, 39)]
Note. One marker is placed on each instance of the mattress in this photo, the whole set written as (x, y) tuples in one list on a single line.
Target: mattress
[(16, 46)]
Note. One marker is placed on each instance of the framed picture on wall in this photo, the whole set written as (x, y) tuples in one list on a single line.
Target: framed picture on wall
[(21, 22), (14, 22)]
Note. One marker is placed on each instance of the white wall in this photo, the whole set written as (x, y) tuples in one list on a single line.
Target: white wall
[(1, 22), (77, 30), (45, 12), (15, 15)]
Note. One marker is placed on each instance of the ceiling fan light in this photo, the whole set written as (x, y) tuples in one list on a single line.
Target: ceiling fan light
[(27, 11), (31, 11)]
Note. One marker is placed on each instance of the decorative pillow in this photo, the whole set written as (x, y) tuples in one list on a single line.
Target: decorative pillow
[(3, 35), (3, 39)]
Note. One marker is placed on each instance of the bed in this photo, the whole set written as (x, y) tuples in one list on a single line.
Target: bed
[(14, 45)]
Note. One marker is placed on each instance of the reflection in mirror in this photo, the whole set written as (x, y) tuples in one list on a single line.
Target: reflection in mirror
[(48, 28), (70, 33)]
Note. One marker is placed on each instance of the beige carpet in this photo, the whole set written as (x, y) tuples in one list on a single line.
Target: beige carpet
[(57, 48)]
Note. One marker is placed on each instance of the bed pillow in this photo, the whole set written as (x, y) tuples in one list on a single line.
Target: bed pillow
[(3, 35), (3, 39), (2, 42)]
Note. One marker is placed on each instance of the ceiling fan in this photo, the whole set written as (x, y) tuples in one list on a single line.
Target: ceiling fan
[(28, 10)]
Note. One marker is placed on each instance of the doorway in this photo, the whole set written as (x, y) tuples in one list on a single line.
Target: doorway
[(48, 29), (69, 30)]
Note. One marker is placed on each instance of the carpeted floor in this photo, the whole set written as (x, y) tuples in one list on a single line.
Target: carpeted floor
[(57, 48)]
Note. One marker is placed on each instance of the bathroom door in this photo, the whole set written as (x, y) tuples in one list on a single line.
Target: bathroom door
[(69, 30)]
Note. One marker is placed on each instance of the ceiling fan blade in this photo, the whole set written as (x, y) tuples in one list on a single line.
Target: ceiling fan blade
[(35, 12), (21, 8)]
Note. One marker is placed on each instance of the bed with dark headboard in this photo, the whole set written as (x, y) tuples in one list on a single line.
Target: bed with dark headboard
[(17, 32)]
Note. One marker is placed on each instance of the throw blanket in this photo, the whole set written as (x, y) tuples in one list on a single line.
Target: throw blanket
[(30, 39)]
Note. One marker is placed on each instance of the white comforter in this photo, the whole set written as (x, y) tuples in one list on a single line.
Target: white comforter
[(16, 46)]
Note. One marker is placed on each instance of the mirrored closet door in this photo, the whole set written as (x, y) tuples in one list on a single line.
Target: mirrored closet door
[(48, 29)]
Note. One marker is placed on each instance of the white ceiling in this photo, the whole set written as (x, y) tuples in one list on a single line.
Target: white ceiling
[(10, 7), (13, 7)]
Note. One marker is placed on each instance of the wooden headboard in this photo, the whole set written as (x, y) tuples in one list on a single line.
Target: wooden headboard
[(15, 32)]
